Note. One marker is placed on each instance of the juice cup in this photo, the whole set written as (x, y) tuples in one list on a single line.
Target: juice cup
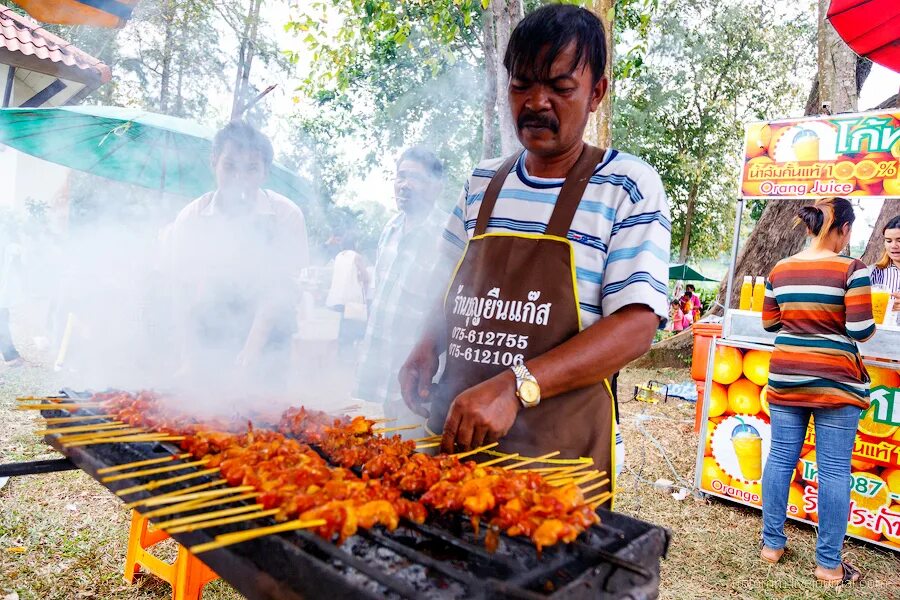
[(748, 449), (806, 145), (880, 299)]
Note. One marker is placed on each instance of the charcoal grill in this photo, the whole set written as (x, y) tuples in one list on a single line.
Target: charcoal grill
[(442, 559)]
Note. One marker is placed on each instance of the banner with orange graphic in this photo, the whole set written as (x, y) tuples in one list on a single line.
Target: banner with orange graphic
[(855, 154), (735, 446)]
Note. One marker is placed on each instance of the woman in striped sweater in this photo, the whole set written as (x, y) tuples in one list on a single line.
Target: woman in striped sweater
[(820, 303)]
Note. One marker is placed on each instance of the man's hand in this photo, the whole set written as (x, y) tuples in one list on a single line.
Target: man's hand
[(416, 376), (482, 414)]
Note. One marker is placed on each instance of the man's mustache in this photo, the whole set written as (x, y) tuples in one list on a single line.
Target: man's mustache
[(532, 119)]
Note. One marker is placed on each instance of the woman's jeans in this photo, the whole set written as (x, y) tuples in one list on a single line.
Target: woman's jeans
[(835, 435)]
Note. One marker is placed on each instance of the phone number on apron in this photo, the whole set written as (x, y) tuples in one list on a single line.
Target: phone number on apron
[(487, 357)]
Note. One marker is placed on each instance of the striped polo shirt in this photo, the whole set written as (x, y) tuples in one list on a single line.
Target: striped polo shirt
[(821, 308), (620, 234), (888, 277)]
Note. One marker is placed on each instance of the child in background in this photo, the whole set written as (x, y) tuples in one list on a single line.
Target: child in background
[(676, 316)]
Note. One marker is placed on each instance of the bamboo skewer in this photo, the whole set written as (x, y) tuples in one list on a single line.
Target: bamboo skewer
[(590, 477), (176, 495), (143, 463), (198, 504), (59, 406), (475, 451), (154, 471), (129, 439), (242, 536), (598, 499), (164, 482), (402, 428), (583, 461), (82, 428), (228, 512), (53, 399), (96, 435), (532, 460), (60, 420), (428, 445), (376, 421), (495, 461), (597, 485), (561, 472), (429, 438), (225, 521)]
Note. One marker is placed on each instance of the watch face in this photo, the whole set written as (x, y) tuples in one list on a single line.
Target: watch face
[(529, 392)]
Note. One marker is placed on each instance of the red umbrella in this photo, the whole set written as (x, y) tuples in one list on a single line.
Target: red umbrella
[(870, 27)]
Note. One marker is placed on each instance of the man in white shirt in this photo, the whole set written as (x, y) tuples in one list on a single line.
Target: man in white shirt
[(236, 255)]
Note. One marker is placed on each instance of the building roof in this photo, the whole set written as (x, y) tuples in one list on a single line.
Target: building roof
[(25, 44)]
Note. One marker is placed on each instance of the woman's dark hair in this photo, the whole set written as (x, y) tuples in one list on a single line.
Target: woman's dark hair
[(552, 28), (244, 136), (826, 215), (885, 259)]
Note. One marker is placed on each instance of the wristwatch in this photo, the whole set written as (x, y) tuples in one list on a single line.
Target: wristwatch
[(527, 389)]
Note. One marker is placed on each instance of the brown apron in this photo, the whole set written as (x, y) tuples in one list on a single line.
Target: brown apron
[(514, 297)]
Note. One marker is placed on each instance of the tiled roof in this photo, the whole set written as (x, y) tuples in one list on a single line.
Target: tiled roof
[(21, 34)]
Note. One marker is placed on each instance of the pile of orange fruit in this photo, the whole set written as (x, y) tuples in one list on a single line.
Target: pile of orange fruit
[(739, 388)]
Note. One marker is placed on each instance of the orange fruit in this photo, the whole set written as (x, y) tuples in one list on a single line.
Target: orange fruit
[(885, 377), (728, 364), (858, 193), (758, 137), (710, 426), (712, 472), (860, 531), (895, 150), (869, 426), (892, 477), (776, 134), (718, 400), (892, 537), (751, 188), (764, 404), (756, 366), (891, 186), (796, 502), (857, 464), (844, 169), (873, 188), (871, 495), (743, 397), (866, 170)]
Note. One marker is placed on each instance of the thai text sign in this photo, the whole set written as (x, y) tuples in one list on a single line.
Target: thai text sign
[(854, 154)]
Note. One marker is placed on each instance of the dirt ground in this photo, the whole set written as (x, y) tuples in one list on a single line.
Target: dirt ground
[(62, 536)]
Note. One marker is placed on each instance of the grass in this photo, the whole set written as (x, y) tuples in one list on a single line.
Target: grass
[(62, 536)]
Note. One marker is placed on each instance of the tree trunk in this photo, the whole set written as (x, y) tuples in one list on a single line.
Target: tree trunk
[(875, 247), (246, 52), (166, 67), (688, 219), (507, 13), (838, 83), (599, 128), (489, 114)]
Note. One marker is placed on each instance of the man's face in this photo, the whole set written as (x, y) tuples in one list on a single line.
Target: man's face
[(551, 115), (415, 189), (239, 170)]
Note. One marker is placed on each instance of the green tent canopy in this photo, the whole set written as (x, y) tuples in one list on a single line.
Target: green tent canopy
[(683, 272)]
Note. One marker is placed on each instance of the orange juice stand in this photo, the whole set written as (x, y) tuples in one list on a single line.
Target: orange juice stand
[(845, 155)]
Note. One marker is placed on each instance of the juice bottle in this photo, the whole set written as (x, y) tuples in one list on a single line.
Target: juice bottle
[(759, 294), (746, 293)]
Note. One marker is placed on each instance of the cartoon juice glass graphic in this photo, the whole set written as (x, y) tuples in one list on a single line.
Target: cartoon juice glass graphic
[(881, 296), (748, 449), (806, 145)]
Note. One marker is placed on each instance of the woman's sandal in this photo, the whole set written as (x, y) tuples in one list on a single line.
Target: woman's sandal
[(850, 575), (770, 555)]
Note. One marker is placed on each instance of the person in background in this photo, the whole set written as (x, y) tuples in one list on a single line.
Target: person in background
[(236, 255), (347, 295), (403, 295), (676, 317), (696, 302), (686, 303), (886, 271), (819, 302)]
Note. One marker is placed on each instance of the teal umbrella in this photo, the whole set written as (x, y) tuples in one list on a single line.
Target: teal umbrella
[(130, 145), (682, 272)]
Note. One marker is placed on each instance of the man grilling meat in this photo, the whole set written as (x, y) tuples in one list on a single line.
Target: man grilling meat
[(563, 252), (237, 253)]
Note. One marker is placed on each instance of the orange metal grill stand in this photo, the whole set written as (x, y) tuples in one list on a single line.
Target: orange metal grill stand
[(187, 575)]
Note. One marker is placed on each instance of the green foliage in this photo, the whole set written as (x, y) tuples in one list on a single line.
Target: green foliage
[(710, 67)]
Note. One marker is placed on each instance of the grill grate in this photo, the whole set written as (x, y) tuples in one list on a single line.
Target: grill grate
[(441, 559)]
